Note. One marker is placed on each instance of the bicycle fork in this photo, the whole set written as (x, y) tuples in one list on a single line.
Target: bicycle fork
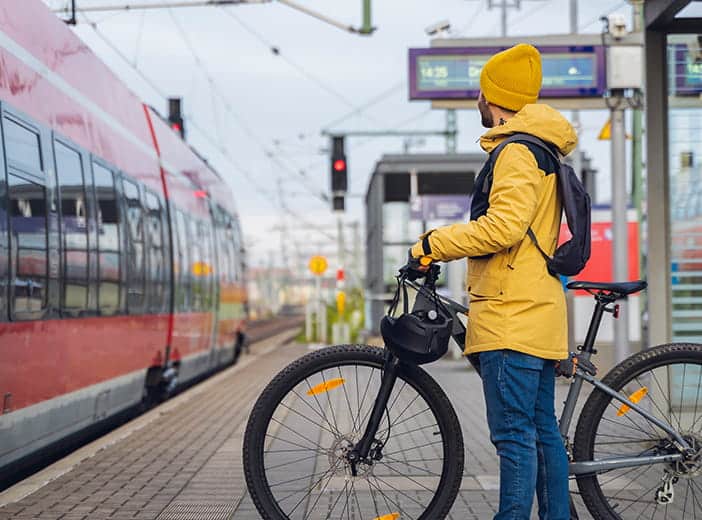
[(368, 448)]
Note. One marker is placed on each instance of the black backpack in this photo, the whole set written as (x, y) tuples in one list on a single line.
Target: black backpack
[(571, 256)]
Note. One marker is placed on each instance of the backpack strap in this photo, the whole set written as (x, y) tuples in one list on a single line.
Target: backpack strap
[(515, 138), (531, 235)]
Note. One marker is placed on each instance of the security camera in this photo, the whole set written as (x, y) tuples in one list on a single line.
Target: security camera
[(617, 25), (438, 28)]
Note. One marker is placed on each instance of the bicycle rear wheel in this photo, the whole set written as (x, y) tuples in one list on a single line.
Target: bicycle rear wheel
[(314, 410), (667, 382)]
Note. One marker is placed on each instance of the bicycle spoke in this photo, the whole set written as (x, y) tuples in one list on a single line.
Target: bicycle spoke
[(375, 503), (321, 451), (615, 405), (687, 492), (697, 398), (268, 468), (307, 418), (663, 415), (406, 476), (309, 492), (415, 430), (321, 493), (660, 389), (379, 479), (682, 392), (332, 426), (386, 498), (348, 402), (413, 448), (382, 432), (296, 433), (363, 400), (320, 415), (636, 500), (299, 478), (413, 466), (331, 407)]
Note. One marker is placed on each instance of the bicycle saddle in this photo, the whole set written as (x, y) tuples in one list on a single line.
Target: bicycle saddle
[(620, 289)]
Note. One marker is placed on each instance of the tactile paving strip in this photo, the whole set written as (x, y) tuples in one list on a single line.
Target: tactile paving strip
[(204, 511)]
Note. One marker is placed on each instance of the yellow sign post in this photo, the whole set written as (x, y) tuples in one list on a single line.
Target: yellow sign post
[(318, 265), (340, 302)]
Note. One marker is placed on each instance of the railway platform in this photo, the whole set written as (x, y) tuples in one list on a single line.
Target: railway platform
[(182, 460)]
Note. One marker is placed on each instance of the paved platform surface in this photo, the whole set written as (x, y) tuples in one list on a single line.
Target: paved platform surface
[(182, 461)]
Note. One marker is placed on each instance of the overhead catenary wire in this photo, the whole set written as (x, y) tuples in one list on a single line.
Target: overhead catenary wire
[(227, 106), (597, 18), (481, 7), (369, 103), (299, 68), (304, 224), (116, 50), (218, 146)]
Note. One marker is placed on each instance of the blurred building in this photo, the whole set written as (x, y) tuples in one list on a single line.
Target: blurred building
[(408, 194)]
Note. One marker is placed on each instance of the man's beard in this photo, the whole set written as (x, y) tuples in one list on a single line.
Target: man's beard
[(485, 115)]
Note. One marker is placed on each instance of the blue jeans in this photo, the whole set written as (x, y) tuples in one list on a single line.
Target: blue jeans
[(519, 396)]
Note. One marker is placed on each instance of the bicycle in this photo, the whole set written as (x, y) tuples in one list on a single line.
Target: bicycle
[(352, 432)]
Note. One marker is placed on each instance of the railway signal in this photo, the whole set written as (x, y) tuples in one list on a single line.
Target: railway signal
[(175, 116), (339, 173)]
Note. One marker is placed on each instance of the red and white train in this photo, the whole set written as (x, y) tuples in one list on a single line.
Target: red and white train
[(121, 258)]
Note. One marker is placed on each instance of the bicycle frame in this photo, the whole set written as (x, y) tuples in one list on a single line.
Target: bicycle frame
[(603, 304)]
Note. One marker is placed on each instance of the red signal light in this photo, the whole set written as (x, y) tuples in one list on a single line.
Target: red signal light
[(201, 194), (339, 165)]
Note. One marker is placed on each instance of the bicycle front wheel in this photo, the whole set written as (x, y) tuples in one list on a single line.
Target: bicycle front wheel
[(666, 381), (317, 408)]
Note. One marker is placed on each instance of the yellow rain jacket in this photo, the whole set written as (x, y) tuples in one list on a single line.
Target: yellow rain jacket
[(514, 302)]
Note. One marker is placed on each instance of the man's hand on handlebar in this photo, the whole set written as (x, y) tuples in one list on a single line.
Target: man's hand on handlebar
[(416, 268)]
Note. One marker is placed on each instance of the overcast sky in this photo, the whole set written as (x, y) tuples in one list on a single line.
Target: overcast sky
[(266, 110)]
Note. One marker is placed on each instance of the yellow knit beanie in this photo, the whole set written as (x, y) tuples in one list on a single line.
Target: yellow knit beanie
[(512, 78)]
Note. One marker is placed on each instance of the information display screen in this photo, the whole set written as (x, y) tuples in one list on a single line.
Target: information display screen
[(687, 70), (454, 72)]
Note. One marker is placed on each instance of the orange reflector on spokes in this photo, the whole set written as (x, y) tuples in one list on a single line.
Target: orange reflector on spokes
[(391, 516), (325, 387), (634, 398)]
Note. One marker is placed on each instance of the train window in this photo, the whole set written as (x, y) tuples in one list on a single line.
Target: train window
[(135, 253), (184, 288), (4, 252), (28, 235), (22, 146), (156, 277), (207, 273), (196, 259), (237, 246), (177, 259), (74, 229), (108, 225)]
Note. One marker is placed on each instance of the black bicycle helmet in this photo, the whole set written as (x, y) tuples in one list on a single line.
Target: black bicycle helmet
[(418, 337)]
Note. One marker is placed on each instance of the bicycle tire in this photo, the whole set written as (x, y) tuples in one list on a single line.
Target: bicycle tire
[(355, 356), (628, 374)]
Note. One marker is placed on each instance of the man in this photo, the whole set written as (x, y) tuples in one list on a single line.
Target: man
[(517, 323)]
